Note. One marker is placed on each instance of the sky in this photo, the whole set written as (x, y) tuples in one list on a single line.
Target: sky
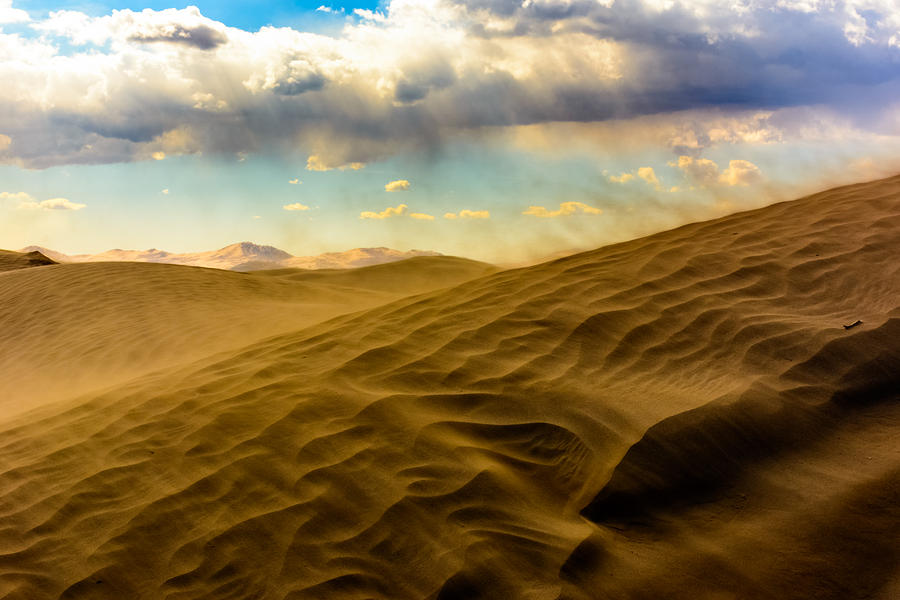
[(500, 130)]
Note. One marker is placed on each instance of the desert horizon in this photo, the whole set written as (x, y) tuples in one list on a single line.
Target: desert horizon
[(450, 300), (707, 412)]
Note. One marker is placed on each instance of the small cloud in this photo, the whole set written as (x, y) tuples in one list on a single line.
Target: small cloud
[(740, 172), (26, 202), (165, 192), (370, 15), (5, 141), (257, 217), (565, 208), (295, 181), (645, 173), (390, 211), (314, 163), (421, 216), (468, 214), (400, 185), (623, 178), (649, 175), (158, 156), (330, 10), (295, 206)]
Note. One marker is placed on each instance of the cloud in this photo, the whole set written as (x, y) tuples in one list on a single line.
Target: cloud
[(329, 10), (648, 175), (158, 155), (27, 202), (704, 172), (407, 78), (5, 141), (623, 178), (165, 192), (295, 206), (740, 172), (421, 216), (400, 185), (184, 27), (468, 214), (390, 211), (295, 181), (565, 208), (700, 171), (8, 14)]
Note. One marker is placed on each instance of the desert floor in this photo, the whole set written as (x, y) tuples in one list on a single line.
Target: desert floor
[(682, 416)]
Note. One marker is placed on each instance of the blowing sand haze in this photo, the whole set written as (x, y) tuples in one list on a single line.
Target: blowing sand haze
[(684, 415)]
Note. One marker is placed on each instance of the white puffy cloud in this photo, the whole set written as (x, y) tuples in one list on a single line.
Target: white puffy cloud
[(565, 209), (25, 201), (186, 27), (8, 14), (399, 185), (295, 206), (295, 181)]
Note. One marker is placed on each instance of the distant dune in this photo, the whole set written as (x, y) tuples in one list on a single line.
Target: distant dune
[(10, 261), (244, 256), (709, 412)]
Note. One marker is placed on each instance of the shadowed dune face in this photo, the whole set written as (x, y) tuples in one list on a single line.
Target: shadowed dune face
[(680, 416), (10, 261)]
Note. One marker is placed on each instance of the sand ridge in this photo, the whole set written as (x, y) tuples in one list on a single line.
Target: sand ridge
[(680, 416), (10, 260)]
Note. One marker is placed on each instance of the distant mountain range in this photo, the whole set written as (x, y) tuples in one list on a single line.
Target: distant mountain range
[(244, 256)]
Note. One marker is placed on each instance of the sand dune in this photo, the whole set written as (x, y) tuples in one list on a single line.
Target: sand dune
[(686, 415), (71, 328), (10, 261)]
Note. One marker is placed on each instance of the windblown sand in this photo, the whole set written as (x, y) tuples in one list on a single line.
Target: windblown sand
[(680, 416)]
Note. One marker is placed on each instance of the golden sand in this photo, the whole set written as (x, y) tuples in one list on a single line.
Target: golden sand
[(679, 416)]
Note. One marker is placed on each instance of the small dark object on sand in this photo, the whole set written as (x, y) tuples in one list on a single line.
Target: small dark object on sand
[(852, 325)]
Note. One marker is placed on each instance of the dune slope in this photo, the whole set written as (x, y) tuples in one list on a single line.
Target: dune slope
[(10, 260), (70, 328), (710, 412)]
